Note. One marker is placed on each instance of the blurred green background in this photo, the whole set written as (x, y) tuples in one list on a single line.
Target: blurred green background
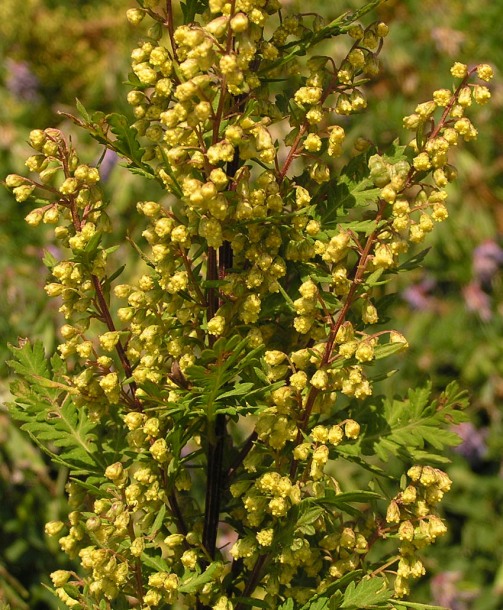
[(54, 51)]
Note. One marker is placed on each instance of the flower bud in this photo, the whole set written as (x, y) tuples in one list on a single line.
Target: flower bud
[(485, 72), (320, 380), (135, 16), (239, 23), (13, 180), (115, 471), (406, 531), (37, 138), (352, 429), (52, 528), (459, 70), (60, 577), (393, 513), (22, 193)]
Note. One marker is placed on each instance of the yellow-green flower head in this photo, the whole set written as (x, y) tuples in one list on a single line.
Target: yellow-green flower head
[(274, 357), (319, 434), (320, 380), (393, 513), (53, 528), (459, 70), (485, 72), (308, 95), (114, 472), (159, 450), (481, 94), (352, 429)]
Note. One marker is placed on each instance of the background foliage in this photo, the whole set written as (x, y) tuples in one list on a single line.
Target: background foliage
[(55, 51)]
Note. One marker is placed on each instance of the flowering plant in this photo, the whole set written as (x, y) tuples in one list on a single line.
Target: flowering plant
[(212, 408)]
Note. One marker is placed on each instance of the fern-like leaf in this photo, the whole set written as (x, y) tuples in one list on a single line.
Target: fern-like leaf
[(44, 404), (413, 429)]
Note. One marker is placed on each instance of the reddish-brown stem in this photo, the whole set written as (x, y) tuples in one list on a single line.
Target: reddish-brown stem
[(291, 153), (360, 270), (103, 309), (104, 312), (449, 106), (171, 27), (302, 130), (137, 564), (254, 578)]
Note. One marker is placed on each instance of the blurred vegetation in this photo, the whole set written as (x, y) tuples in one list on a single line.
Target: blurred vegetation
[(54, 51)]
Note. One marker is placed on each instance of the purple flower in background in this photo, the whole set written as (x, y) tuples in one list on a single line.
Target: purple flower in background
[(417, 296), (473, 446), (477, 300), (486, 259), (108, 162), (21, 81), (445, 592)]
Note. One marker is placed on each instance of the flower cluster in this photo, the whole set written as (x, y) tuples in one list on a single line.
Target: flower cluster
[(257, 310), (418, 526)]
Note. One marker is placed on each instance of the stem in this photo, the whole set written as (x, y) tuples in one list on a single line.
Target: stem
[(214, 483), (137, 564), (254, 578), (107, 319), (292, 153), (103, 309), (170, 26), (217, 435), (360, 270), (245, 449), (451, 103)]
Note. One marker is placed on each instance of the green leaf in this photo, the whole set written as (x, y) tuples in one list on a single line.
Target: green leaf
[(191, 8), (43, 403), (309, 516), (49, 259), (319, 604), (345, 194), (414, 262), (159, 520), (157, 563), (194, 583), (141, 171), (366, 594), (417, 606), (240, 389), (415, 428), (126, 143), (82, 111), (383, 351)]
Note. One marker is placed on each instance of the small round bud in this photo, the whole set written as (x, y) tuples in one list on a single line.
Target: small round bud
[(459, 70), (22, 193), (382, 30), (239, 23), (352, 429), (135, 16), (52, 528), (13, 180), (34, 218), (320, 380), (485, 72), (115, 471), (393, 513)]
